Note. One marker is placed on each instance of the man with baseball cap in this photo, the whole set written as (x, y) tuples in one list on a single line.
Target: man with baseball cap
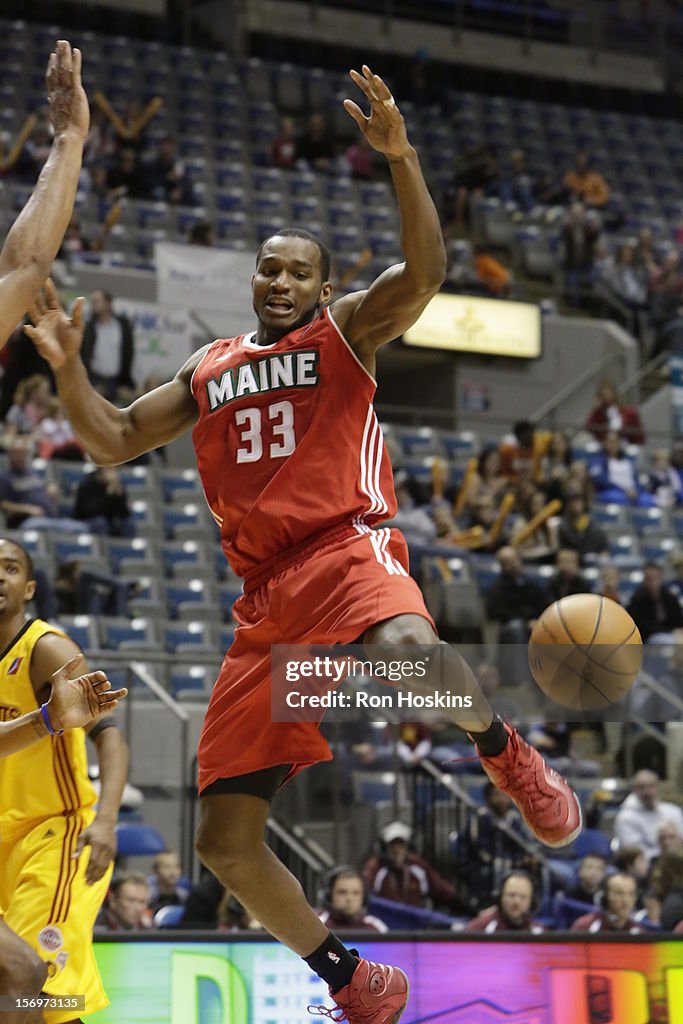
[(400, 875)]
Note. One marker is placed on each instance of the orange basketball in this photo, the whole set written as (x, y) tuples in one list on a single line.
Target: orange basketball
[(585, 652)]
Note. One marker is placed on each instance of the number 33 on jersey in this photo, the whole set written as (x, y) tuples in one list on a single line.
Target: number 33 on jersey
[(287, 441)]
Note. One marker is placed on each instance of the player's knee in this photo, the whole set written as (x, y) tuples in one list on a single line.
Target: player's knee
[(224, 855)]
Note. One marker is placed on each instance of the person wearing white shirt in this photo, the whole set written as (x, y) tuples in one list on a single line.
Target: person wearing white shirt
[(642, 814)]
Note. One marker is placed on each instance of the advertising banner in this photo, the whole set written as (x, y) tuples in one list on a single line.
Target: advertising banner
[(456, 981), (490, 327)]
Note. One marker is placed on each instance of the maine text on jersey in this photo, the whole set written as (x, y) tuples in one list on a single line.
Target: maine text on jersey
[(274, 373)]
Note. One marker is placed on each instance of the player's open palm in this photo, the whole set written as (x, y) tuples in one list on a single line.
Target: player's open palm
[(56, 335), (385, 129), (77, 700), (69, 108)]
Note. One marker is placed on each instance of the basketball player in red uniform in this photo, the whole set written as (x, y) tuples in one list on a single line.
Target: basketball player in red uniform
[(25, 259), (296, 475)]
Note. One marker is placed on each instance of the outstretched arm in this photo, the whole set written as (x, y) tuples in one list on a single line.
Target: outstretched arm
[(73, 703), (35, 238), (110, 435), (397, 298)]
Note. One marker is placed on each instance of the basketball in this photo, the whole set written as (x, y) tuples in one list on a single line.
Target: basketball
[(585, 652)]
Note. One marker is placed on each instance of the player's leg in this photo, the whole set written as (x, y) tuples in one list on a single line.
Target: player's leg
[(547, 804), (230, 841), (22, 973)]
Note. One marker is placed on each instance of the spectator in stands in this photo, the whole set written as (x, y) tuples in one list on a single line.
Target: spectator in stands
[(108, 346), (101, 141), (590, 877), (486, 850), (578, 531), (521, 456), (610, 579), (488, 480), (610, 414), (556, 465), (202, 233), (283, 152), (167, 888), (30, 406), (580, 234), (614, 474), (102, 502), (645, 257), (665, 483), (233, 917), (315, 146), (56, 438), (399, 875), (126, 177), (586, 184), (514, 600), (513, 910), (127, 907), (484, 514), (21, 360), (666, 295), (631, 861), (670, 838), (654, 609), (31, 149), (25, 498), (166, 176), (642, 814), (567, 578), (360, 159), (616, 914), (516, 185), (84, 590), (414, 522), (625, 285), (414, 743), (129, 129), (75, 242), (201, 908), (344, 902), (476, 173), (668, 887), (495, 278), (541, 545)]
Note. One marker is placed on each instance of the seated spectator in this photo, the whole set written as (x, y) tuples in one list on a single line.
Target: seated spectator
[(541, 545), (126, 177), (127, 906), (413, 521), (414, 743), (577, 530), (670, 838), (201, 908), (609, 413), (653, 608), (513, 910), (616, 914), (25, 498), (483, 513), (590, 878), (521, 457), (580, 234), (495, 278), (488, 481), (588, 185), (476, 173), (516, 184), (664, 483), (108, 346), (514, 600), (614, 475), (102, 503), (315, 146), (202, 233), (642, 814), (399, 875), (360, 159), (20, 360), (166, 176), (30, 150), (100, 144), (485, 851), (86, 591), (56, 437), (167, 888), (567, 578), (556, 465), (344, 903), (283, 150), (76, 242), (610, 579), (631, 861), (233, 917), (666, 295), (668, 887), (31, 405), (130, 127)]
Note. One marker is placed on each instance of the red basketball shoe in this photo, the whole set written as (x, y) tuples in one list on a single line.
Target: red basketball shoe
[(376, 994), (548, 805)]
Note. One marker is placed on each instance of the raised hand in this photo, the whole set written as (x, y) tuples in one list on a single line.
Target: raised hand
[(56, 335), (69, 108), (385, 129), (76, 702)]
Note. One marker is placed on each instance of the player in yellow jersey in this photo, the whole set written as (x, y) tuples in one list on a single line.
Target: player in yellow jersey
[(73, 704), (50, 888)]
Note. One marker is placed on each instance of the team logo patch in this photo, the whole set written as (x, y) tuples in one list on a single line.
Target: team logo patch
[(51, 938), (14, 667)]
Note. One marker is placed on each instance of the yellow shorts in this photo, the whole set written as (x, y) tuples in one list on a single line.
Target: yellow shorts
[(44, 898)]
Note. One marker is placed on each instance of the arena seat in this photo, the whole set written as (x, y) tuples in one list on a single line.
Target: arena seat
[(121, 634), (169, 917), (197, 678), (82, 629), (134, 840)]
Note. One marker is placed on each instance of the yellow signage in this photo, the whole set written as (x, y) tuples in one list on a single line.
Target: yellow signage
[(491, 327)]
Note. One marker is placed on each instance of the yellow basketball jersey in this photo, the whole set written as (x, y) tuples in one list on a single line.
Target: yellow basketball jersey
[(51, 776)]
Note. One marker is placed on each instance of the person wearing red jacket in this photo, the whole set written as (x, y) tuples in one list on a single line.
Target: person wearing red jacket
[(610, 414), (512, 912), (402, 876)]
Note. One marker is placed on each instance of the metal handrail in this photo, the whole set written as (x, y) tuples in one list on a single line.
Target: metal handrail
[(570, 389), (652, 364)]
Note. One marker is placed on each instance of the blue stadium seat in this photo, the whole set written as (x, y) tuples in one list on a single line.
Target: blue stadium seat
[(191, 677), (187, 553), (122, 552), (134, 840), (184, 636), (184, 482), (187, 593), (69, 476), (420, 441), (136, 479), (82, 629), (460, 443), (227, 595), (647, 520), (121, 634), (169, 917), (608, 515), (75, 546), (226, 636), (177, 517)]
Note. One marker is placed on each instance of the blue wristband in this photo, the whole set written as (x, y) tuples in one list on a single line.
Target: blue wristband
[(48, 724)]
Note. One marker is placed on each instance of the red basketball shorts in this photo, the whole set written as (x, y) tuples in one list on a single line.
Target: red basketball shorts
[(331, 593)]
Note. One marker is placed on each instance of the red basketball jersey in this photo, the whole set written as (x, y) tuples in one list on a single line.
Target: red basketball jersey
[(288, 444)]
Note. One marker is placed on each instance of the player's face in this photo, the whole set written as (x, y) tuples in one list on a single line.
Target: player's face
[(347, 896), (515, 900), (15, 587), (287, 288)]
